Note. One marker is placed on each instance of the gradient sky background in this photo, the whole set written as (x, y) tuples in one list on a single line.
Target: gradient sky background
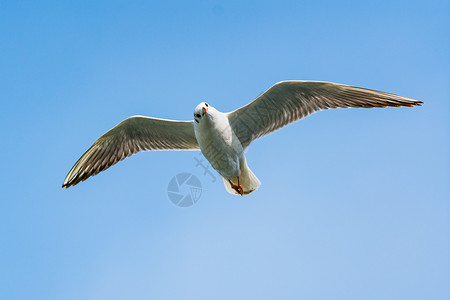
[(354, 203)]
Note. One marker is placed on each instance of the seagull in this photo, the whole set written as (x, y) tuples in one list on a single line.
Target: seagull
[(223, 137)]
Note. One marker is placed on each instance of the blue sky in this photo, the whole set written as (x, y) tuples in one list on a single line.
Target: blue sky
[(354, 203)]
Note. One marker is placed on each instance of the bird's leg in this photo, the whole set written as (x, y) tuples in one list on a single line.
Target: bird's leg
[(238, 188), (241, 189)]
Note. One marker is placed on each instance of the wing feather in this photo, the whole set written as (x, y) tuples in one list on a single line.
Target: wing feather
[(131, 136), (288, 101)]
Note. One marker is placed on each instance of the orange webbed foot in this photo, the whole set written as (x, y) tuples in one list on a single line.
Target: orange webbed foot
[(237, 187)]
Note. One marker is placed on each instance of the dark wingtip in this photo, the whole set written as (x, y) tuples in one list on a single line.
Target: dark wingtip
[(412, 104)]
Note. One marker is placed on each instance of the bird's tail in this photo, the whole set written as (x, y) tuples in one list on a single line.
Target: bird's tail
[(247, 179)]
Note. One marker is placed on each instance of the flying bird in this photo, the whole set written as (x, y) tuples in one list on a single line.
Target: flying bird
[(223, 137)]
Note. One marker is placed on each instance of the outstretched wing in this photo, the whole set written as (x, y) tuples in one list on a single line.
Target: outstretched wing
[(132, 135), (288, 101)]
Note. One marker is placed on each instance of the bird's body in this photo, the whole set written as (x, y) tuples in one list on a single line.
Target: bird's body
[(218, 143), (222, 148), (223, 137)]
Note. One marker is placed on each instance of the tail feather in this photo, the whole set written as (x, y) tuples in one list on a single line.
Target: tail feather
[(247, 179)]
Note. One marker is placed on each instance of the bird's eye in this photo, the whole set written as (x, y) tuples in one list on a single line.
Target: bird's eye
[(206, 104), (198, 115)]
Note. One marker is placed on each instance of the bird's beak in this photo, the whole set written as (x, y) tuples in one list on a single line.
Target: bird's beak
[(204, 110)]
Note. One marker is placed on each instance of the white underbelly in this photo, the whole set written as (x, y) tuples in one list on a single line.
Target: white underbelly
[(223, 151)]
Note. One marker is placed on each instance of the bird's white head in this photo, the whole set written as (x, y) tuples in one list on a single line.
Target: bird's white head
[(202, 111)]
